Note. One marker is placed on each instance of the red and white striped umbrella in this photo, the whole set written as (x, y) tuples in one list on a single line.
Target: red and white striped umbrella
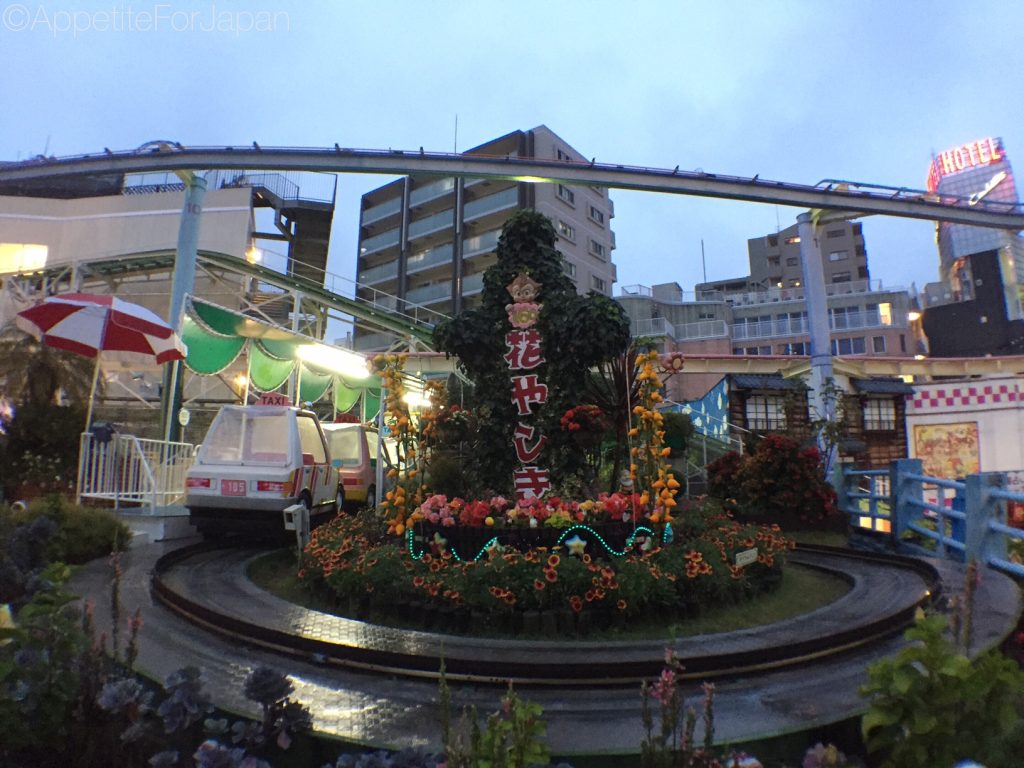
[(89, 325)]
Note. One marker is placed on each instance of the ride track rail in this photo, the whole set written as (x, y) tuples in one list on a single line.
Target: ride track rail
[(846, 196), (213, 593)]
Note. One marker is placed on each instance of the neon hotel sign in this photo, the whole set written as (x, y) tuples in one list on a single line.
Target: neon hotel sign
[(962, 158)]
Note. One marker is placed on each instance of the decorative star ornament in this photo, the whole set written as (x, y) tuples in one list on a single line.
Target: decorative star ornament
[(576, 545), (439, 544)]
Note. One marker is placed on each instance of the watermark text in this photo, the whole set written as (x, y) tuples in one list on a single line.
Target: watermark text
[(128, 19)]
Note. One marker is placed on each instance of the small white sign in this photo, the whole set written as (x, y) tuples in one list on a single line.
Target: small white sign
[(184, 416), (746, 557)]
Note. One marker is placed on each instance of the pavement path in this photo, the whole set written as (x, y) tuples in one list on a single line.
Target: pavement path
[(386, 710)]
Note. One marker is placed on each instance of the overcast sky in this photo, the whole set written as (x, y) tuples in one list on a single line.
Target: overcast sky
[(793, 91)]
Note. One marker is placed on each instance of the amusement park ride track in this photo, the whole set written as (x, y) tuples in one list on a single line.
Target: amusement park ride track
[(207, 586)]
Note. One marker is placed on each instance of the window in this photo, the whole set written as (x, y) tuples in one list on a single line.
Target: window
[(567, 194), (773, 261), (792, 240), (796, 348), (310, 440), (596, 215), (791, 322), (562, 155), (834, 233), (597, 249), (879, 414), (878, 343), (841, 277), (854, 346), (792, 261), (766, 412), (794, 282), (569, 268), (839, 255), (597, 284), (765, 350), (860, 250), (773, 240), (566, 230), (842, 317)]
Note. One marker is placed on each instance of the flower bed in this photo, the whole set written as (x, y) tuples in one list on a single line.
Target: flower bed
[(542, 589)]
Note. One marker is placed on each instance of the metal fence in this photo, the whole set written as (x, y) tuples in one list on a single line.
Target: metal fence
[(962, 519), (132, 472)]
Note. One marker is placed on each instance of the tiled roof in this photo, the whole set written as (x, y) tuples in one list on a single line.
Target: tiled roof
[(883, 386), (762, 381)]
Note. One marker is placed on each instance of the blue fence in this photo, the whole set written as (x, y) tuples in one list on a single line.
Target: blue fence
[(961, 519)]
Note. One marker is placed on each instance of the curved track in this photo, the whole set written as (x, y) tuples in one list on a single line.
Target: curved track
[(364, 704), (208, 587)]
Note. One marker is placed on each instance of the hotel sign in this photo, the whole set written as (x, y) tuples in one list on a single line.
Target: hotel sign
[(964, 157)]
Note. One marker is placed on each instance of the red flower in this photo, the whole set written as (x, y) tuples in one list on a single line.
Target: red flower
[(575, 603)]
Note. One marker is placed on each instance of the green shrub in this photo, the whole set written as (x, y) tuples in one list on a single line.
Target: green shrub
[(83, 533), (931, 705)]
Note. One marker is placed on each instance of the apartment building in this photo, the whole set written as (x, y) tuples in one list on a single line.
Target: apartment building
[(428, 241)]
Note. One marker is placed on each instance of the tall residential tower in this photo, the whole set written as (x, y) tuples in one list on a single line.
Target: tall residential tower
[(428, 241)]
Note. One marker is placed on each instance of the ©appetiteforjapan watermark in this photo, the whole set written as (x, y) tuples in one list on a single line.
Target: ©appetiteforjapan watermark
[(41, 18)]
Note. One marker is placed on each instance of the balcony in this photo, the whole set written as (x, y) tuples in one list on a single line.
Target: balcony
[(379, 242), (796, 293), (703, 329), (655, 326), (436, 223), (484, 243), (428, 294), (432, 191), (847, 321), (473, 284), (442, 254), (508, 198), (380, 273), (382, 211)]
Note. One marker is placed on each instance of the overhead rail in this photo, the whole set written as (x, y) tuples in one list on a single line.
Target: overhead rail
[(385, 319), (852, 197)]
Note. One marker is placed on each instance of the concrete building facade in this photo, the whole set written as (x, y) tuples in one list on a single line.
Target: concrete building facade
[(765, 313), (428, 241)]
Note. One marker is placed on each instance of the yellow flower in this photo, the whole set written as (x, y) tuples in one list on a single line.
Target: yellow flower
[(488, 520)]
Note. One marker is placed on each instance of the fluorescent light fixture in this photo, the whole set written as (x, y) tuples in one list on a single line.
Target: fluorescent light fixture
[(336, 360), (22, 257), (532, 179), (913, 315), (416, 399), (254, 255)]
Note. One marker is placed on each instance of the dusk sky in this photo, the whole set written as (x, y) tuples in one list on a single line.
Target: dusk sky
[(792, 91)]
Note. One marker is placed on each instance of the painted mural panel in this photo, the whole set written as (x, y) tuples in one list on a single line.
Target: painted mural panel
[(948, 450), (710, 414)]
